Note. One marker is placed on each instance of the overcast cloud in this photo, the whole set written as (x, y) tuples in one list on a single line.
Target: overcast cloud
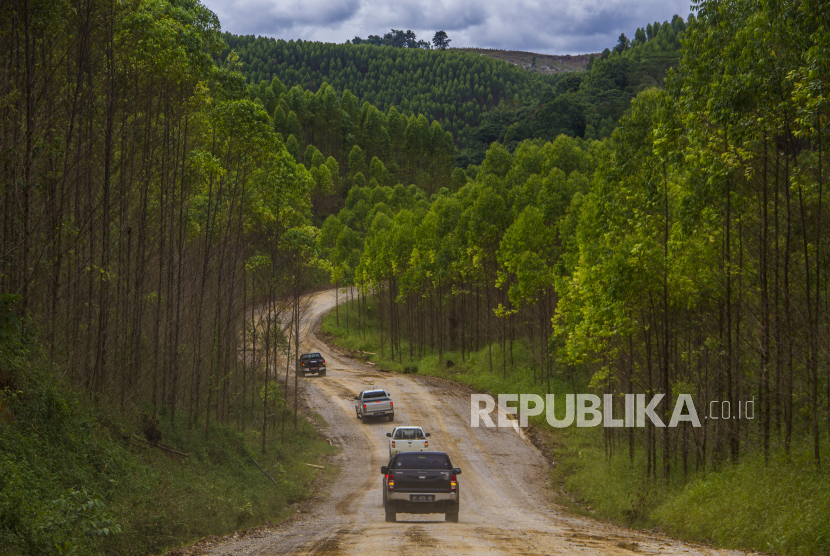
[(557, 27)]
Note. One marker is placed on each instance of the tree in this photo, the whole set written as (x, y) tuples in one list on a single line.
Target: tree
[(441, 41), (293, 147), (378, 171), (357, 161), (622, 43)]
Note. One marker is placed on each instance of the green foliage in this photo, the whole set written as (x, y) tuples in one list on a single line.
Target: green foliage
[(174, 180), (397, 38), (582, 104), (9, 321), (776, 507), (74, 479), (329, 128), (451, 87)]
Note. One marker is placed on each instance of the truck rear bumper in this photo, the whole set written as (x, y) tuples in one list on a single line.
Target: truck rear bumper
[(393, 451), (439, 496), (444, 503)]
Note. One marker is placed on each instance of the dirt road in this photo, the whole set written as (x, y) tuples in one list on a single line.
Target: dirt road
[(506, 505)]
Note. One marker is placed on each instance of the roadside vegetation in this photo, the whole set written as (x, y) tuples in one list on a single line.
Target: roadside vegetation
[(81, 478), (777, 507)]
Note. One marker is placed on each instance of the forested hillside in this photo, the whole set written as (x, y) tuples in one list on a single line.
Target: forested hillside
[(684, 255), (584, 104), (451, 87), (343, 144), (477, 98)]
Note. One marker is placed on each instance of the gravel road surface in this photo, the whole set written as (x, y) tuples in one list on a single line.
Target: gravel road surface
[(506, 502)]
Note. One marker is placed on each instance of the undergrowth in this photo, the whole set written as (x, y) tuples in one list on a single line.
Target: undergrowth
[(76, 477), (781, 507)]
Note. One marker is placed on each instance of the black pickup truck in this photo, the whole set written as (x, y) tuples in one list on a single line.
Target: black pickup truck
[(311, 363), (421, 483)]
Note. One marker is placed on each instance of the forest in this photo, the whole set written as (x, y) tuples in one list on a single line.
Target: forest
[(147, 202), (342, 143), (451, 87), (399, 38), (478, 99)]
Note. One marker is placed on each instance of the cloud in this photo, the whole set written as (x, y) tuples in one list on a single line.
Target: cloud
[(264, 17), (558, 27)]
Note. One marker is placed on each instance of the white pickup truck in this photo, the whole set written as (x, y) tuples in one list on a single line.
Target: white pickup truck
[(374, 403), (407, 439)]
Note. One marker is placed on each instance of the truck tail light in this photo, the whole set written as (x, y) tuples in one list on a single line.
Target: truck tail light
[(364, 407), (453, 483), (390, 483), (391, 404), (426, 443), (324, 361), (393, 443)]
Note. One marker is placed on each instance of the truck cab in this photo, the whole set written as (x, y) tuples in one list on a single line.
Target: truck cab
[(407, 439)]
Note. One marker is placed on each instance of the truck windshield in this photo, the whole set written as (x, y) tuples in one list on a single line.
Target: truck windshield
[(377, 394), (409, 434), (310, 356), (423, 461)]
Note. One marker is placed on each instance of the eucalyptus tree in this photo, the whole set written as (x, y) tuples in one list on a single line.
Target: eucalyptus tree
[(152, 162)]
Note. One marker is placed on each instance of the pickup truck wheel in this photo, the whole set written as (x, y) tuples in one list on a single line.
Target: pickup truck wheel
[(389, 508), (452, 515), (392, 417), (363, 419)]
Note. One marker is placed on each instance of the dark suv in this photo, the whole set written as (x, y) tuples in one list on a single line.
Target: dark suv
[(311, 363)]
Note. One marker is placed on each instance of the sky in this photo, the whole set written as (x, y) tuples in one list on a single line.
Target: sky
[(548, 27)]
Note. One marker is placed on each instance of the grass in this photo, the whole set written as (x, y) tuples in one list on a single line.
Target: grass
[(782, 507), (74, 479)]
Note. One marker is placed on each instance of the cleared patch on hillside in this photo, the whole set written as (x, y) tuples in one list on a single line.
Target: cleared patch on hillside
[(545, 63)]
